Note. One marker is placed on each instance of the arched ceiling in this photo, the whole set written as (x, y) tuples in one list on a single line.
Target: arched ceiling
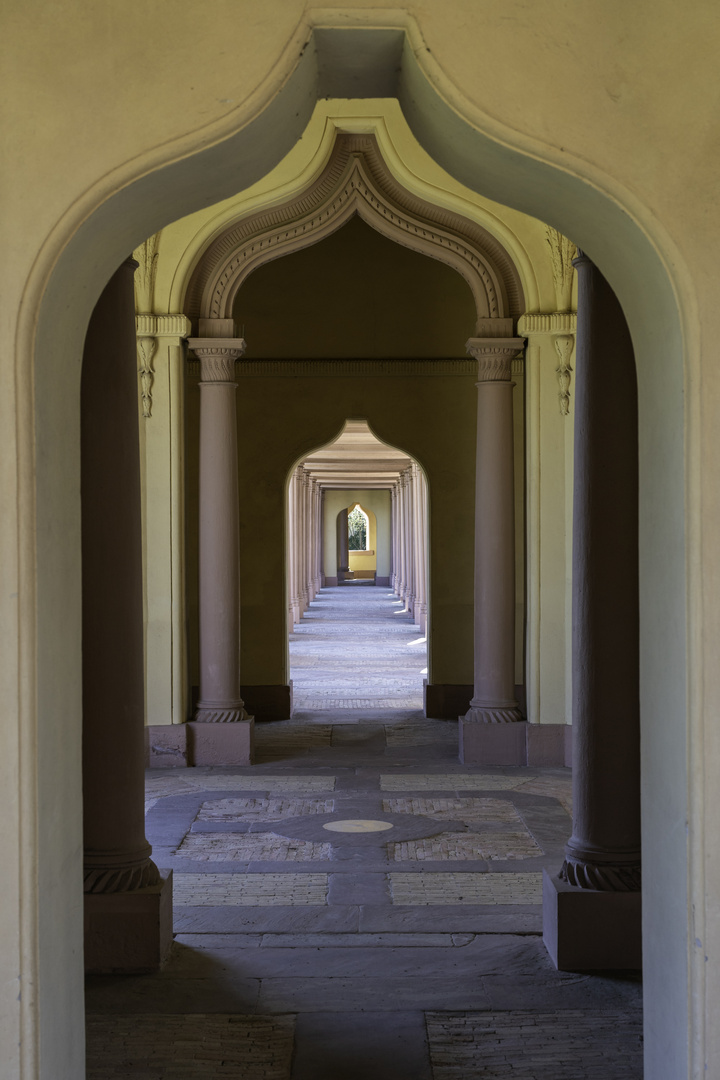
[(356, 459)]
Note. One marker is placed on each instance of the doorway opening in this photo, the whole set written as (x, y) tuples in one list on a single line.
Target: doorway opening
[(357, 575)]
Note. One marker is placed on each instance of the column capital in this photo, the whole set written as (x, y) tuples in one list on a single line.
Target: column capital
[(217, 357), (494, 357)]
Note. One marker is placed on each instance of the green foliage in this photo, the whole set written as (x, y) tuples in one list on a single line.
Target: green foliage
[(357, 530)]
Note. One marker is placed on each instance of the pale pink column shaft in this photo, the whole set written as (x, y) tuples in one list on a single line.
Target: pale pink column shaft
[(494, 668), (219, 533)]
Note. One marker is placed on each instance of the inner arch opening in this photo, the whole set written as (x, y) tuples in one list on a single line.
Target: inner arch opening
[(357, 575)]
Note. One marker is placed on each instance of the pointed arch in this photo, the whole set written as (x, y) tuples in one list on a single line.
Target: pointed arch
[(356, 180)]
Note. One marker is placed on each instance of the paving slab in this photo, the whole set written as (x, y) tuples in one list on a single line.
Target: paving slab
[(371, 994), (357, 1046), (356, 937)]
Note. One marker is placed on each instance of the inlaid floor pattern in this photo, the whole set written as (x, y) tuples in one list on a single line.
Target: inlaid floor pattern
[(409, 953)]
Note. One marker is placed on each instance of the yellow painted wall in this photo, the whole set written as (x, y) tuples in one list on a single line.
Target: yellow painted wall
[(365, 560), (376, 503)]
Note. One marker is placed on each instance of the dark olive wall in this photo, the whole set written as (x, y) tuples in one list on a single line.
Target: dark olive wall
[(280, 420), (355, 294)]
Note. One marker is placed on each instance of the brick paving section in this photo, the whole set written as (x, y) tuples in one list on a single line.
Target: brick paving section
[(249, 890), (189, 1047), (480, 845), (160, 787), (309, 785), (262, 809), (565, 1045), (471, 811), (419, 889), (252, 847), (450, 782), (350, 702)]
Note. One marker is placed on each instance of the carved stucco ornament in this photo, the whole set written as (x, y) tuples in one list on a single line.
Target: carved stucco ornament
[(146, 257), (562, 253), (564, 344), (146, 349), (356, 180)]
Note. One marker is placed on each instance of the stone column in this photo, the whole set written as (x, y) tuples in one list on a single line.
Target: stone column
[(410, 543), (591, 911), (222, 731), (393, 534), (402, 492), (319, 534), (321, 527), (493, 703), (128, 902), (421, 549), (297, 521), (290, 552), (302, 540), (343, 544), (312, 545)]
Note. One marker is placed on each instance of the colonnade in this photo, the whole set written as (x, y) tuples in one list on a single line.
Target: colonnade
[(409, 575), (305, 531), (599, 883)]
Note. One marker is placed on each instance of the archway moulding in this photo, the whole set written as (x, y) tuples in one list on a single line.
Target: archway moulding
[(127, 194), (356, 180)]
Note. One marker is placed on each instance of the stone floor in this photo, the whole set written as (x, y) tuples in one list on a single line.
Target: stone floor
[(355, 647), (413, 952)]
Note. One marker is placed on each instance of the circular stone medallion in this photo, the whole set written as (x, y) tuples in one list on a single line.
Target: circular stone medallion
[(358, 825)]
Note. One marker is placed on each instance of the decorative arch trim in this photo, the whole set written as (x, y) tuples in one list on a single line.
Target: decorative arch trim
[(356, 180)]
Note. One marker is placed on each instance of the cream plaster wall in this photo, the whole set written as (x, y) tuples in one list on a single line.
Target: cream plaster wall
[(376, 504), (599, 119)]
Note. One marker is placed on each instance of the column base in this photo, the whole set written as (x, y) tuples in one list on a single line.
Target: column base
[(221, 744), (482, 743), (221, 714), (129, 933), (590, 930)]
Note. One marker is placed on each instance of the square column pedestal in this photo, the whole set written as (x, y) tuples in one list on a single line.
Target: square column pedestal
[(590, 930), (520, 743), (221, 744), (129, 933)]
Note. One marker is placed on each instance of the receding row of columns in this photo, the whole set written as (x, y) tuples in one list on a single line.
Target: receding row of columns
[(595, 898), (305, 530), (409, 576)]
